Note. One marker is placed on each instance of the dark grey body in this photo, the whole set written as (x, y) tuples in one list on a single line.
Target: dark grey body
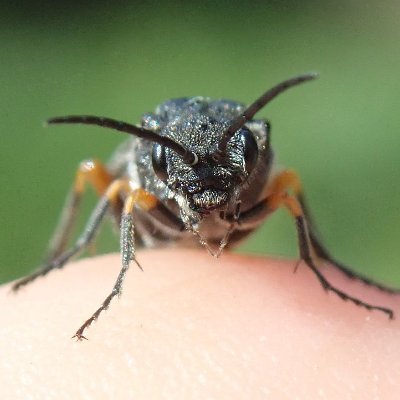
[(133, 160)]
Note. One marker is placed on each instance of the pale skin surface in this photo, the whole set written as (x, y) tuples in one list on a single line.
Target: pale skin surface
[(192, 327)]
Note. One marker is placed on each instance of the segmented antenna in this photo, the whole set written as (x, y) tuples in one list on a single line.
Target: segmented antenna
[(261, 102), (188, 156)]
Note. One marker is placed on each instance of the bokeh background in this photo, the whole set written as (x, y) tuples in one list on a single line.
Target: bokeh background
[(342, 132)]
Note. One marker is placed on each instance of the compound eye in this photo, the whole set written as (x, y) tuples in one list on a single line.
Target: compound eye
[(159, 161), (250, 147)]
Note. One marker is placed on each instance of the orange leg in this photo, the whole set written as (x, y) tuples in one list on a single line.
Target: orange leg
[(289, 181), (284, 182), (109, 198), (96, 175), (137, 198), (279, 196)]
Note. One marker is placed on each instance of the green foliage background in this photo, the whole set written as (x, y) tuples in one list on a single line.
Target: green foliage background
[(342, 132)]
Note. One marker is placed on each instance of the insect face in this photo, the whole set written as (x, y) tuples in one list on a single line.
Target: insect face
[(210, 183)]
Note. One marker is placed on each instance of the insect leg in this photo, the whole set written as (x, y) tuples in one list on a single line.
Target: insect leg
[(305, 247), (323, 253), (112, 193), (147, 202), (89, 171), (289, 180), (278, 196)]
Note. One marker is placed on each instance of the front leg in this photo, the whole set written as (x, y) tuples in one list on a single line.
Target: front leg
[(147, 202)]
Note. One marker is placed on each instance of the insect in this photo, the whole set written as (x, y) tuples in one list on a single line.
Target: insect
[(197, 172)]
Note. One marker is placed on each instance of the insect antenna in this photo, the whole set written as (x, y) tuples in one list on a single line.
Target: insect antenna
[(261, 102), (188, 156)]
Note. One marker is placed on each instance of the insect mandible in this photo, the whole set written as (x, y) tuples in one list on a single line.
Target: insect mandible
[(197, 172)]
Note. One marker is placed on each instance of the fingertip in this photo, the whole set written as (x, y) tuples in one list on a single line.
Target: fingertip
[(192, 326)]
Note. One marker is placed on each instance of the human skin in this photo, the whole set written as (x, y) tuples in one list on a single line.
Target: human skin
[(193, 327)]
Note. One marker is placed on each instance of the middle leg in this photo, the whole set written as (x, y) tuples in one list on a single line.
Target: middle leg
[(112, 193), (277, 197), (289, 180)]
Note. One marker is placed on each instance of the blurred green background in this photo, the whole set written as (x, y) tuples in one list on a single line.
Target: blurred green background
[(341, 132)]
